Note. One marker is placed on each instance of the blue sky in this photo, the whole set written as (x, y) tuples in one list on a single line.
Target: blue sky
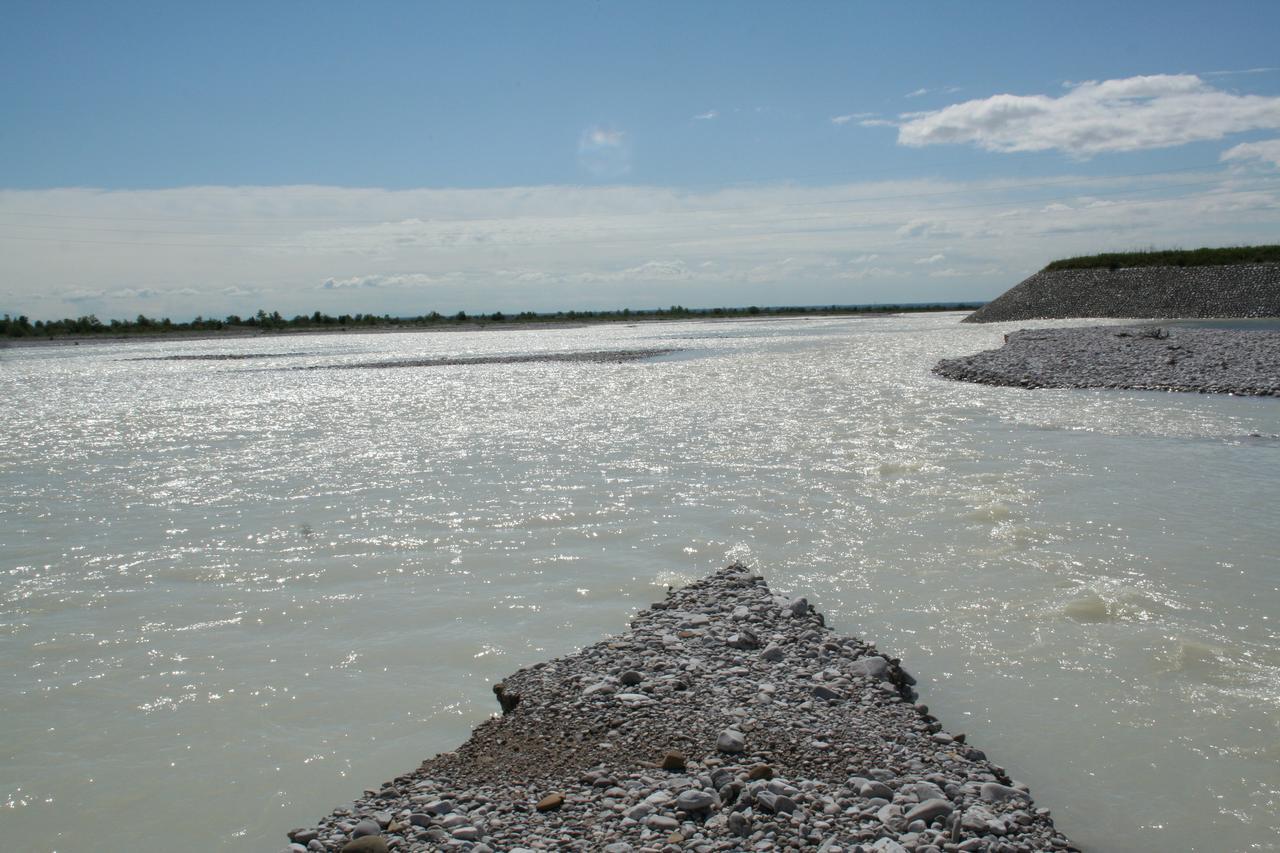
[(188, 159)]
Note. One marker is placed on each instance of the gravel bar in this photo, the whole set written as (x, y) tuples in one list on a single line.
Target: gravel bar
[(592, 357), (1146, 358), (726, 718)]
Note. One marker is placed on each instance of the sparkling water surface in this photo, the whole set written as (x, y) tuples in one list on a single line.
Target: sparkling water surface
[(235, 594)]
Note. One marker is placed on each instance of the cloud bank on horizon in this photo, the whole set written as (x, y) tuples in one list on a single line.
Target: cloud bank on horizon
[(216, 250)]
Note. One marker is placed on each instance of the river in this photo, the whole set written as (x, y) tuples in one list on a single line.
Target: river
[(235, 593)]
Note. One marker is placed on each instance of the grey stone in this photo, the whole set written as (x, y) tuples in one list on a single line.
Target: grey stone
[(438, 807), (731, 740), (871, 666), (365, 827), (876, 789), (994, 792), (930, 810), (694, 801), (366, 844), (640, 811), (826, 693), (773, 653)]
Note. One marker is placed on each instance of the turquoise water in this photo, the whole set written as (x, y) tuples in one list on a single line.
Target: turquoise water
[(236, 594)]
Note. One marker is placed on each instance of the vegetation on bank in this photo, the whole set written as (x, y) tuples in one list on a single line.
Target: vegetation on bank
[(1226, 256), (22, 326)]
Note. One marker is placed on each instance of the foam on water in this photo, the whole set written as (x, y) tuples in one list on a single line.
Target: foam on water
[(236, 594)]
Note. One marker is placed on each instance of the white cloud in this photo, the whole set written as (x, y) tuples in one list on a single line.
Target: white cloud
[(561, 247), (604, 137), (914, 228), (1267, 152), (605, 152), (1262, 70), (707, 116), (848, 117), (932, 259), (394, 280), (1130, 114), (945, 90), (878, 122)]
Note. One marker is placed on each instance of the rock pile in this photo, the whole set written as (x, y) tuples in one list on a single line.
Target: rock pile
[(726, 718), (1244, 290), (1148, 358)]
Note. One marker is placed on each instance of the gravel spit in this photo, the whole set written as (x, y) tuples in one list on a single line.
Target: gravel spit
[(1147, 358), (804, 740)]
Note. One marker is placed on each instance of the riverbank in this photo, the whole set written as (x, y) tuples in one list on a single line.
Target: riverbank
[(1147, 358), (726, 718), (1237, 290)]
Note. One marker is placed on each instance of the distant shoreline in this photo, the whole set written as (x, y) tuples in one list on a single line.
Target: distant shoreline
[(476, 325)]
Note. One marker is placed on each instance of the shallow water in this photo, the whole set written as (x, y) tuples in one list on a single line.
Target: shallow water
[(236, 594)]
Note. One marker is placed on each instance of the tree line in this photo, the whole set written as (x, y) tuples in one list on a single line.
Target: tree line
[(22, 326)]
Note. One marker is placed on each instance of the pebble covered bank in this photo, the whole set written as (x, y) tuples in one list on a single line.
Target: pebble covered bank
[(726, 718), (1150, 358), (1242, 290)]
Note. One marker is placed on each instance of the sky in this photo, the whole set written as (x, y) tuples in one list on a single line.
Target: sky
[(181, 159)]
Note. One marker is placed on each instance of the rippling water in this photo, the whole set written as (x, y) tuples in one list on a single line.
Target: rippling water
[(235, 594)]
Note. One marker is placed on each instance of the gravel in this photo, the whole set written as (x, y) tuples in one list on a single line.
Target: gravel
[(853, 768), (1148, 358), (1242, 290)]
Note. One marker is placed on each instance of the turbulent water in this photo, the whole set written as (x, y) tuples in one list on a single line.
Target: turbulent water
[(235, 594)]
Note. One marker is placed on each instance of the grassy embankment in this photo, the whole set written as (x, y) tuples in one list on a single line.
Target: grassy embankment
[(1226, 256), (90, 326)]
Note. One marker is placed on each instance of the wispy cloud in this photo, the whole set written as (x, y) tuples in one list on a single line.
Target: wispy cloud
[(604, 152), (1267, 152), (932, 259), (848, 117), (945, 90), (707, 116), (381, 280), (1262, 70), (1129, 114)]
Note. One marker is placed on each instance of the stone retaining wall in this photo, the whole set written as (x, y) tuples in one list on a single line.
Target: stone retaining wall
[(1245, 290)]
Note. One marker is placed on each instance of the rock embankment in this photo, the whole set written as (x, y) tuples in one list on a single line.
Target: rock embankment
[(1244, 290), (726, 718), (1147, 358)]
